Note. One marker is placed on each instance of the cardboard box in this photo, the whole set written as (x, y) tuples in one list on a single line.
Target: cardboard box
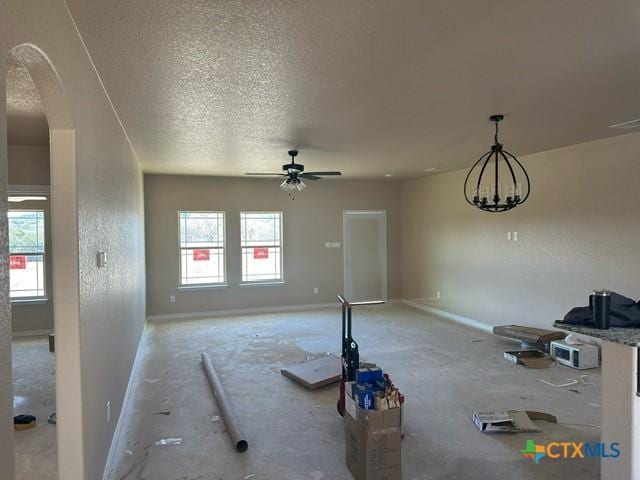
[(529, 358), (373, 442), (364, 397), (364, 393), (369, 375), (510, 421)]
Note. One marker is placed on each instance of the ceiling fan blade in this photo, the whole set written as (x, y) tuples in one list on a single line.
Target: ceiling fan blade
[(267, 174), (310, 177), (324, 174)]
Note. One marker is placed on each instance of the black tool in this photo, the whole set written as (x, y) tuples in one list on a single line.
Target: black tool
[(350, 353)]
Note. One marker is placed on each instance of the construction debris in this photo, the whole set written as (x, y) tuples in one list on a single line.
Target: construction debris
[(569, 382), (530, 337), (237, 438), (168, 442), (529, 358), (510, 421), (315, 373)]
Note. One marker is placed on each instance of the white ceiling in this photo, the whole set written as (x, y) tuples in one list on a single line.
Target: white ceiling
[(26, 120), (365, 86)]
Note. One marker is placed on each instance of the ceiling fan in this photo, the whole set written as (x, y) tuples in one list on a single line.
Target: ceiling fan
[(294, 174)]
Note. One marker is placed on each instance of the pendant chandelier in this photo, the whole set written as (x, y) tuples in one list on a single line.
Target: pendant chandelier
[(496, 181)]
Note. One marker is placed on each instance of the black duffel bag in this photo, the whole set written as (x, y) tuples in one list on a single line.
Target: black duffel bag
[(624, 313)]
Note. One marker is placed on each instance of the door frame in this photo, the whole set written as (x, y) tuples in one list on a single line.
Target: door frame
[(346, 249)]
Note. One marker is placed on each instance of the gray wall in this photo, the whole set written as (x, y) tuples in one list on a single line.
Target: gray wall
[(110, 217), (313, 218), (578, 231), (29, 165)]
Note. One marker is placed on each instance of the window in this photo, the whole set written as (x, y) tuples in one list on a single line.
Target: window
[(202, 256), (26, 254), (261, 243)]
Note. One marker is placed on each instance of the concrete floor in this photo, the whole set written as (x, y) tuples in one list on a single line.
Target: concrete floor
[(34, 394), (445, 370)]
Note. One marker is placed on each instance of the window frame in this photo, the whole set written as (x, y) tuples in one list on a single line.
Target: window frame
[(209, 285), (31, 299), (269, 282)]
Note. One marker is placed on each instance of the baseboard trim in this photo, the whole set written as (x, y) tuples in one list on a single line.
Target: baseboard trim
[(238, 312), (33, 333), (109, 465), (469, 322), (248, 311)]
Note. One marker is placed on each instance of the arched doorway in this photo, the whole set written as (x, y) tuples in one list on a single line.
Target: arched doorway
[(64, 257)]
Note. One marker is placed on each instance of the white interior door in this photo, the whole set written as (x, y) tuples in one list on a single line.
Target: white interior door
[(365, 255)]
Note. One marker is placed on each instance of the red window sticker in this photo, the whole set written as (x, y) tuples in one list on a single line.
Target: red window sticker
[(18, 262), (200, 255), (260, 253)]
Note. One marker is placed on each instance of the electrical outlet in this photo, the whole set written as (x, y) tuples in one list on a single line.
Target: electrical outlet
[(327, 244), (515, 236), (438, 295), (508, 235), (315, 290), (172, 298), (109, 411)]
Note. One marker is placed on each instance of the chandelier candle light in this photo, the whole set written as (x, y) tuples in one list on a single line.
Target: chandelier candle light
[(483, 188)]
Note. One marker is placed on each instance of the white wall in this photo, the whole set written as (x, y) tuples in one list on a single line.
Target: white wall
[(578, 231), (109, 216)]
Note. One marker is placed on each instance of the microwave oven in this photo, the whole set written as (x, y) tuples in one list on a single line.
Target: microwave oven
[(581, 355)]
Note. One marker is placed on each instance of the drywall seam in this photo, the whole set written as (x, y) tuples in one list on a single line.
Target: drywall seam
[(104, 89), (126, 401), (33, 333), (238, 311), (469, 322)]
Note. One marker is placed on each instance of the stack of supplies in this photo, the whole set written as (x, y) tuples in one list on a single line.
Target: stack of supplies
[(373, 390), (373, 421)]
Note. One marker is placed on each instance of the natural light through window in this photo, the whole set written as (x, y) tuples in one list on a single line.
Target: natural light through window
[(202, 244), (261, 242), (26, 254)]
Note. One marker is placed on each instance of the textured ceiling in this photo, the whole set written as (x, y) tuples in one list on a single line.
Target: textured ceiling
[(367, 87), (26, 120)]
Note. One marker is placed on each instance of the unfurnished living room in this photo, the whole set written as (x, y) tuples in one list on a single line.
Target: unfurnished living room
[(319, 240)]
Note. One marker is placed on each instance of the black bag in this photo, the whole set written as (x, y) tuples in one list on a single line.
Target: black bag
[(624, 313)]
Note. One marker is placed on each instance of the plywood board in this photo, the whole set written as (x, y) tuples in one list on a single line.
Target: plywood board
[(315, 373)]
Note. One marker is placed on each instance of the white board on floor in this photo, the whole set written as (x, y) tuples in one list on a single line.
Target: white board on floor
[(315, 373)]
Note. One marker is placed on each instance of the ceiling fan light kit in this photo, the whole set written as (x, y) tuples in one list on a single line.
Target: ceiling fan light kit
[(295, 175), (293, 185), (483, 187)]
